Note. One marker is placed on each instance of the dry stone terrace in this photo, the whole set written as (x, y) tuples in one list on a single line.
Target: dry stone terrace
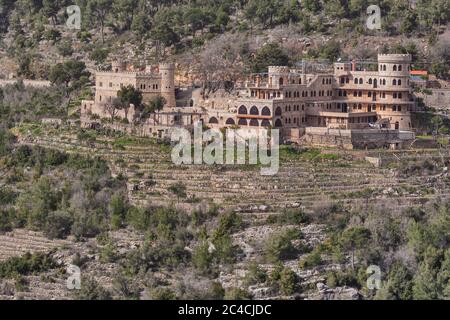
[(305, 179)]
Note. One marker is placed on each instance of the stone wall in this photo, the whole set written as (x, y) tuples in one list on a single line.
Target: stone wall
[(439, 99), (359, 139)]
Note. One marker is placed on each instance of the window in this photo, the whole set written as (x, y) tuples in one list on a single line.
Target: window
[(394, 82), (213, 120), (399, 82), (254, 111), (242, 110), (394, 68), (400, 68), (360, 81)]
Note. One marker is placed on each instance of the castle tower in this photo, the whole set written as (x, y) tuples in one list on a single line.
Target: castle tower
[(119, 66), (278, 75), (394, 82), (167, 72), (394, 65)]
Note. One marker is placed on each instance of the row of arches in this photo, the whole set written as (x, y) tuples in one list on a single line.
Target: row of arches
[(254, 123), (254, 111), (395, 82), (395, 67)]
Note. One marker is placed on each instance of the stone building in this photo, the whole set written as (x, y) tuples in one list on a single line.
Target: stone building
[(349, 98), (152, 82), (358, 104)]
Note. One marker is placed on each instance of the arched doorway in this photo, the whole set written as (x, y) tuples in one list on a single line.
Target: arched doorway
[(254, 111), (230, 122), (265, 111), (213, 120), (254, 123), (242, 122), (265, 123)]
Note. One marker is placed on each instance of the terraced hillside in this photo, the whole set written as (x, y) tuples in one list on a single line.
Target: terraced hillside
[(306, 178), (324, 185)]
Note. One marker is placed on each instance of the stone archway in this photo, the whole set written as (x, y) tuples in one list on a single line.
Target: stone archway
[(230, 122), (242, 122), (213, 120), (254, 111), (266, 112), (242, 110)]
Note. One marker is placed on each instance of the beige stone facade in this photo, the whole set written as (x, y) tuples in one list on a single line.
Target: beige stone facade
[(355, 96), (350, 98)]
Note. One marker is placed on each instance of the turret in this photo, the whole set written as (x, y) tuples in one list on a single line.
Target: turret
[(119, 66), (167, 72), (394, 64)]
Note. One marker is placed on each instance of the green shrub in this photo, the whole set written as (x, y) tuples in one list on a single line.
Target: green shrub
[(92, 290), (26, 264), (289, 217), (312, 260), (288, 281), (279, 246), (255, 275), (59, 225), (237, 294), (202, 258)]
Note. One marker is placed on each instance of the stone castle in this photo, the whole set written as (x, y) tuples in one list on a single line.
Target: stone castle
[(362, 105)]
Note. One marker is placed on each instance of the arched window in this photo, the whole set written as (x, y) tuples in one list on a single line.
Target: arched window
[(265, 111), (230, 122), (213, 120), (278, 123), (394, 82), (254, 123), (242, 110), (278, 111), (356, 81), (254, 111), (265, 123), (242, 122), (360, 81), (370, 81), (400, 68), (394, 68), (399, 82)]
